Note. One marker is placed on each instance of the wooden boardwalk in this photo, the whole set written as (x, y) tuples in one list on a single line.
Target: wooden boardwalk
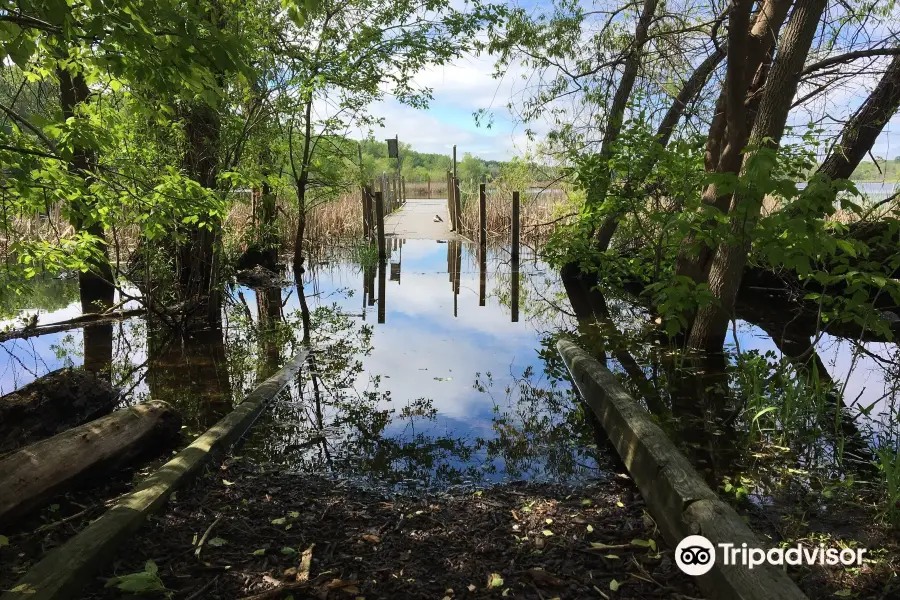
[(415, 221)]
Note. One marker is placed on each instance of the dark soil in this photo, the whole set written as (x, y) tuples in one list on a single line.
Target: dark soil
[(516, 540)]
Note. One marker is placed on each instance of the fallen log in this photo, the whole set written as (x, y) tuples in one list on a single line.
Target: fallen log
[(34, 330), (39, 471), (52, 404)]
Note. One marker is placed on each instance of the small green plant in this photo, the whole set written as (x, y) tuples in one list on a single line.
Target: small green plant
[(142, 582), (889, 466), (365, 254)]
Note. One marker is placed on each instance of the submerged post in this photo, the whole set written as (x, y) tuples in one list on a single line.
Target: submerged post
[(515, 290), (379, 219), (482, 275), (515, 226), (482, 216), (382, 288)]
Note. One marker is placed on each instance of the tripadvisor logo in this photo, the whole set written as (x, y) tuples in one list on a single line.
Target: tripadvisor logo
[(696, 555)]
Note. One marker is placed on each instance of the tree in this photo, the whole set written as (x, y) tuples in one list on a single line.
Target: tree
[(345, 56)]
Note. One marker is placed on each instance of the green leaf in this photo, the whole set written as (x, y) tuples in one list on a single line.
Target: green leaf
[(614, 585), (259, 552), (495, 580), (217, 541), (4, 541)]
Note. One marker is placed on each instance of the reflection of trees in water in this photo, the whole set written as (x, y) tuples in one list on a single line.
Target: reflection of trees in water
[(332, 416), (541, 428), (190, 372), (736, 414)]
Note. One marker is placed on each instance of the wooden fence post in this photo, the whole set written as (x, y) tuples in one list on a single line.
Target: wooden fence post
[(482, 216), (457, 205), (515, 226), (429, 187), (451, 208), (403, 197), (365, 212), (379, 219)]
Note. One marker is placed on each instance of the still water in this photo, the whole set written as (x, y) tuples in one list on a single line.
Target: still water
[(436, 370), (428, 370)]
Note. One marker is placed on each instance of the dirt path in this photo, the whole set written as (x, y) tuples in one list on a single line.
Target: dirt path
[(275, 534), (416, 221)]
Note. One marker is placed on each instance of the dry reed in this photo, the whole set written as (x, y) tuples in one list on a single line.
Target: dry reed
[(539, 214)]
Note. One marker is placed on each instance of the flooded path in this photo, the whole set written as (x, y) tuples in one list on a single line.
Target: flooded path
[(418, 219)]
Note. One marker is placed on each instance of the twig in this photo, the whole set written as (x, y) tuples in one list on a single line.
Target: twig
[(205, 587), (205, 535), (281, 589)]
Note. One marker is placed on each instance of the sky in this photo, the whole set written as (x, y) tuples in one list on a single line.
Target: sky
[(459, 90), (469, 84)]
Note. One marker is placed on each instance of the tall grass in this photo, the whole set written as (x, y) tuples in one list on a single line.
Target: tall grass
[(540, 213)]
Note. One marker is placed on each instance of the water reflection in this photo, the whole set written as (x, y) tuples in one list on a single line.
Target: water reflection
[(438, 366), (448, 387)]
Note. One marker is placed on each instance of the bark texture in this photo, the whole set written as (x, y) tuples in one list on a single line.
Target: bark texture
[(95, 286), (708, 330)]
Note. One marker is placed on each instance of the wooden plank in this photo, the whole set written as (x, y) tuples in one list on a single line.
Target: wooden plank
[(62, 573), (676, 495)]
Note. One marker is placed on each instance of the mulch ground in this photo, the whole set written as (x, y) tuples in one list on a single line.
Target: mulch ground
[(243, 532)]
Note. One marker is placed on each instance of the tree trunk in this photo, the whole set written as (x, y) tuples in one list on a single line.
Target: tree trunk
[(198, 250), (750, 53), (301, 180), (95, 286), (37, 472), (865, 126), (620, 99), (709, 328)]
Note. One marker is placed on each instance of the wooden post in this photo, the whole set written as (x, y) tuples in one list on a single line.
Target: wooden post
[(457, 267), (457, 207), (403, 197), (482, 216), (454, 161), (379, 219), (515, 290), (482, 275), (515, 226), (451, 207), (429, 187), (367, 212)]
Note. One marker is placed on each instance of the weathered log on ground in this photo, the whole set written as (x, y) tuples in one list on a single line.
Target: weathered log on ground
[(37, 472), (52, 404)]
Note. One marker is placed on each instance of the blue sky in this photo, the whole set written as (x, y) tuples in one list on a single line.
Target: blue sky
[(468, 85)]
